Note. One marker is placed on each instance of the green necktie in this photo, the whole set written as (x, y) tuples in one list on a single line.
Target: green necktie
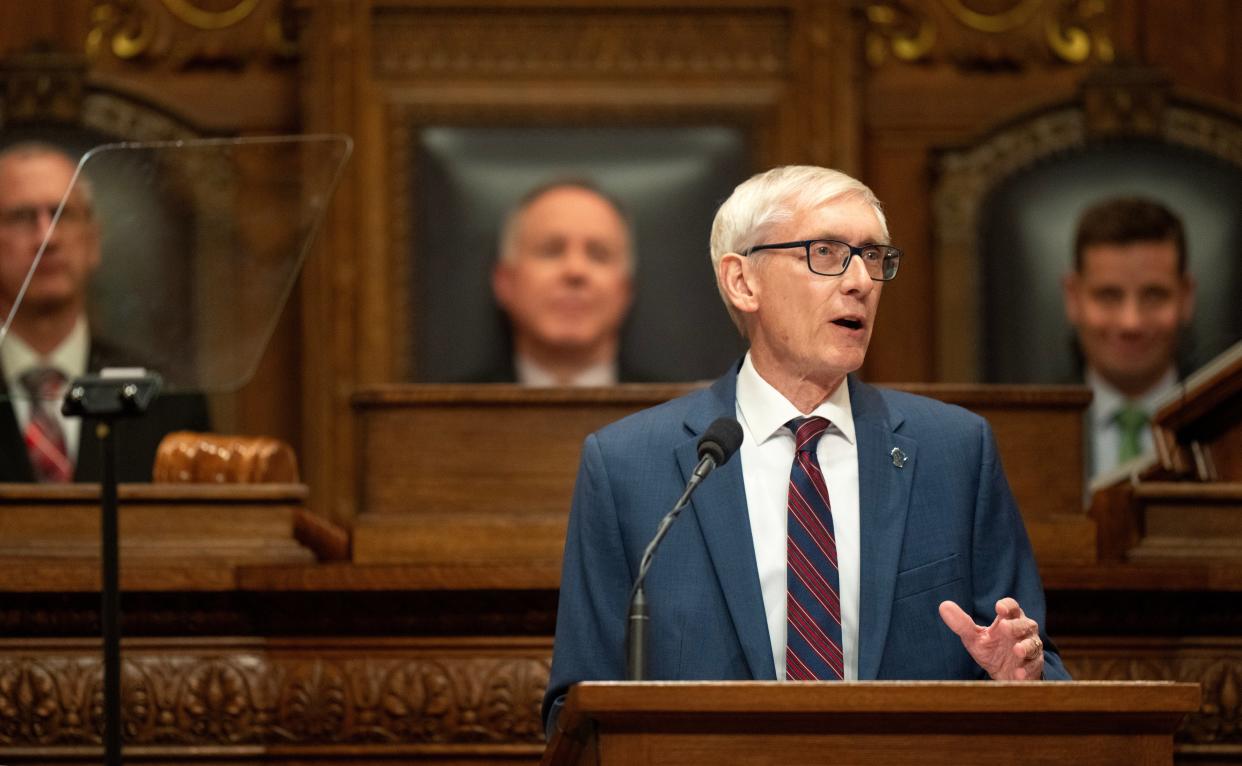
[(1130, 422)]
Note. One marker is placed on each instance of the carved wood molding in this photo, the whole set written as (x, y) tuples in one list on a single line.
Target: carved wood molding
[(1213, 663), (227, 697), (182, 34), (221, 697), (579, 42), (989, 36), (53, 88)]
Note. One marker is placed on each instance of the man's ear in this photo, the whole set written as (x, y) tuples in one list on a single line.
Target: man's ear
[(735, 276), (1071, 289)]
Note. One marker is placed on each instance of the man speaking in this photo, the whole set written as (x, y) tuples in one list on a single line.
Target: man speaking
[(862, 534)]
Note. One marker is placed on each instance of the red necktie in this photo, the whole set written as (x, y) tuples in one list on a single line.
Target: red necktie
[(45, 439), (813, 639)]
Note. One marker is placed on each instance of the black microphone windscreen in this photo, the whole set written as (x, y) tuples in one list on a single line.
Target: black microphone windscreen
[(721, 440)]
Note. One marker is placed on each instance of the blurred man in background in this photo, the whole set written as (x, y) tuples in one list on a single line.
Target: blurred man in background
[(49, 342), (564, 279), (1128, 298)]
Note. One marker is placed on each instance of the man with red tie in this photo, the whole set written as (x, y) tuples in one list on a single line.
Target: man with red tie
[(862, 534), (49, 341)]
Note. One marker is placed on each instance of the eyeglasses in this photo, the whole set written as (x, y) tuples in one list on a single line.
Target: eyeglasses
[(831, 258), (27, 216)]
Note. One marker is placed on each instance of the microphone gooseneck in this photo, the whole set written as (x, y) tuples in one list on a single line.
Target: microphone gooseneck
[(718, 443)]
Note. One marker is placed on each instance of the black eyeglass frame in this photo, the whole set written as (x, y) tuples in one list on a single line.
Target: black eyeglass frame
[(886, 252)]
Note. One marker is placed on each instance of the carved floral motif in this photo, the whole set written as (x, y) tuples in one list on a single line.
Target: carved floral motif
[(1217, 669), (245, 698)]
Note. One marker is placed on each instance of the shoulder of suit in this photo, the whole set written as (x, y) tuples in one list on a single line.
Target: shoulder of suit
[(662, 422)]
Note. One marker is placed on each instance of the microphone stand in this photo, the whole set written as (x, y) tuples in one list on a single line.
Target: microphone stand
[(108, 398), (638, 618)]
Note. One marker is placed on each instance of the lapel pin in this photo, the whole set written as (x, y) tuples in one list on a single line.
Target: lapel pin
[(899, 457)]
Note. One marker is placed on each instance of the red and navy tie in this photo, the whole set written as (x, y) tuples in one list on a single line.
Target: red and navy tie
[(45, 439), (813, 639)]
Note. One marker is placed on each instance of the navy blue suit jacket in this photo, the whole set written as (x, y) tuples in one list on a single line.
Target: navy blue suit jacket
[(944, 526)]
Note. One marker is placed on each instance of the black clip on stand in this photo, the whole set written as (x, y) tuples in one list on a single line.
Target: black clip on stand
[(107, 398)]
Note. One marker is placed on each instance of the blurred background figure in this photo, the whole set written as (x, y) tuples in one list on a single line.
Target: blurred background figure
[(1129, 299), (564, 279), (50, 341)]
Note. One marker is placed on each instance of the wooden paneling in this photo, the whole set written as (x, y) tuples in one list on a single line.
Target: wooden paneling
[(486, 472), (858, 85)]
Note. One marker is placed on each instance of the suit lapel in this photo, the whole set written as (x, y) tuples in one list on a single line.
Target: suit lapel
[(14, 462), (719, 505), (883, 500)]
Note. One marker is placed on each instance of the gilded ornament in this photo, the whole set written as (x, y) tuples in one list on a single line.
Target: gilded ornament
[(201, 18)]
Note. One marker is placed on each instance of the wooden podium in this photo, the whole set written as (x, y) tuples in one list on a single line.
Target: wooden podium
[(891, 723)]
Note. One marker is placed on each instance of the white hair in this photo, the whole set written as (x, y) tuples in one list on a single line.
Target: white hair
[(774, 197)]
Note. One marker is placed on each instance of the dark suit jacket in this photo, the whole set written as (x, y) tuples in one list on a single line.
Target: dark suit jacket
[(136, 438), (944, 526)]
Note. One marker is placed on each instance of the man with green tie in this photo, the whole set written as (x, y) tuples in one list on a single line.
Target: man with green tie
[(1128, 298)]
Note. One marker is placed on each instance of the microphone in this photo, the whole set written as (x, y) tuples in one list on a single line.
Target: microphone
[(717, 444)]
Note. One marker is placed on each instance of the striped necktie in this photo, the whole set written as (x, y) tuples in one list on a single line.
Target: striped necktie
[(813, 637), (45, 439)]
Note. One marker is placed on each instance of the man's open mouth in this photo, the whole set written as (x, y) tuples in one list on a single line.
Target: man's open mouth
[(848, 323)]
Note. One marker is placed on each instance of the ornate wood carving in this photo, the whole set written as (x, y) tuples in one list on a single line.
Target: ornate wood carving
[(577, 42), (41, 86), (50, 88), (404, 696), (1002, 35), (180, 34), (1213, 663), (388, 696)]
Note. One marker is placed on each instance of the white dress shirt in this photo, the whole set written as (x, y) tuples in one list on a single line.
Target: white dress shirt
[(767, 456), (1105, 432), (531, 374), (70, 357)]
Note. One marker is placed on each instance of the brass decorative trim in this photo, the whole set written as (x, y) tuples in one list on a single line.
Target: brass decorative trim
[(202, 18), (1079, 27), (122, 27), (180, 33), (998, 36), (1018, 13), (896, 27)]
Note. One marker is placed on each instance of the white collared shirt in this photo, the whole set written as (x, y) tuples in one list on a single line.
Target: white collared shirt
[(1106, 402), (767, 456), (531, 374), (70, 357)]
